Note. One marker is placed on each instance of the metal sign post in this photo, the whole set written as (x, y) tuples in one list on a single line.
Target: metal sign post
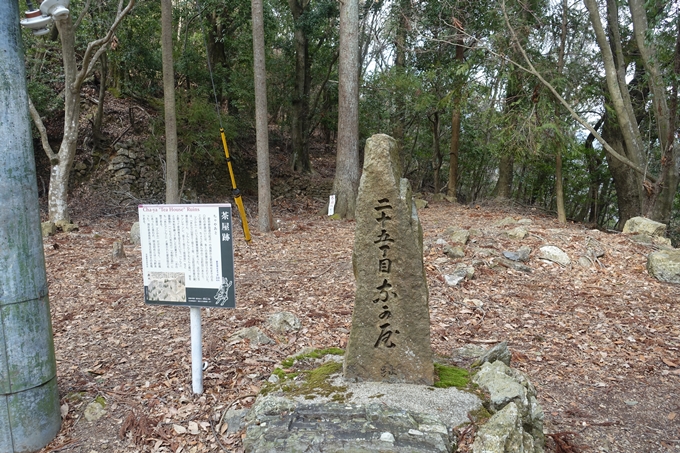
[(188, 260)]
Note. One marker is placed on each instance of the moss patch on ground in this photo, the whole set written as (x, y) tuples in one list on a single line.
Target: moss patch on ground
[(451, 376)]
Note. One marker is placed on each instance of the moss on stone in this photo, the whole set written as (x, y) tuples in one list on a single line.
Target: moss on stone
[(451, 376), (315, 354), (309, 384)]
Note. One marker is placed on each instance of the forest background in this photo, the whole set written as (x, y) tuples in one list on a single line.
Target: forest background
[(566, 106)]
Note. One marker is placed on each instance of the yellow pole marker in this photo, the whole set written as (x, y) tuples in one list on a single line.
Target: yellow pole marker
[(236, 193)]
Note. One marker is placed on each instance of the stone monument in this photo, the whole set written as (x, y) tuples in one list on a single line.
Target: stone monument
[(390, 336)]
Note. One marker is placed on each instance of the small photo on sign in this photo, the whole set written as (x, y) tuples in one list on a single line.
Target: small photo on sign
[(167, 286)]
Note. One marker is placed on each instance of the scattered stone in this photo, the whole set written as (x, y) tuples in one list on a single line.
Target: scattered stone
[(513, 265), (506, 221), (420, 203), (387, 437), (475, 233), (441, 241), (643, 225), (438, 197), (453, 279), (234, 418), (94, 411), (466, 355), (584, 261), (65, 226), (283, 322), (510, 387), (457, 236), (503, 433), (595, 247), (664, 265), (518, 233), (450, 199), (390, 336), (454, 252), (520, 255), (255, 335), (525, 221), (554, 254), (134, 234), (118, 250), (48, 228), (498, 352), (469, 271)]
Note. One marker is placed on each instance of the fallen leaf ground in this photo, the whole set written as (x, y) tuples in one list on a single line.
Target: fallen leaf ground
[(600, 343)]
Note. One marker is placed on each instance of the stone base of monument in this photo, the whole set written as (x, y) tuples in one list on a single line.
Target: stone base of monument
[(358, 417), (311, 408)]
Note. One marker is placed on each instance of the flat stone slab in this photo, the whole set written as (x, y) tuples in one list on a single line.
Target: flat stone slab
[(376, 417)]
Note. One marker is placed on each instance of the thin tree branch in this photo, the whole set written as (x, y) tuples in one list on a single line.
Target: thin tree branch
[(54, 158), (90, 59), (532, 70), (82, 14)]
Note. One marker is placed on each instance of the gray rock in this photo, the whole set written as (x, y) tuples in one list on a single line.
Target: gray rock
[(94, 411), (554, 254), (498, 352), (255, 335), (457, 236), (513, 265), (453, 279), (469, 271), (664, 265), (134, 234), (584, 261), (642, 225), (333, 427), (454, 252), (390, 335), (506, 221), (518, 233), (48, 228), (420, 203), (503, 433), (520, 255), (283, 322), (525, 221), (234, 418), (65, 226), (505, 386)]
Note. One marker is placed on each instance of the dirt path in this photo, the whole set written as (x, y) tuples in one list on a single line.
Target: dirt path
[(600, 343)]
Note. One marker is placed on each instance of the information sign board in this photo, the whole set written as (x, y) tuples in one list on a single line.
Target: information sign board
[(187, 255)]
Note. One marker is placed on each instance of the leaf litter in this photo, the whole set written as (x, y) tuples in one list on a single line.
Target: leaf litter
[(590, 338)]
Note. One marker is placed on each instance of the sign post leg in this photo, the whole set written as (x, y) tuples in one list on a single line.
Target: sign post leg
[(196, 351)]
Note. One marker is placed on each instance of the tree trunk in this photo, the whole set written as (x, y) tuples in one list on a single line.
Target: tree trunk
[(398, 129), (454, 151), (503, 187), (437, 150), (347, 171), (299, 120), (60, 172), (626, 182), (264, 203), (559, 182), (99, 116), (171, 161)]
